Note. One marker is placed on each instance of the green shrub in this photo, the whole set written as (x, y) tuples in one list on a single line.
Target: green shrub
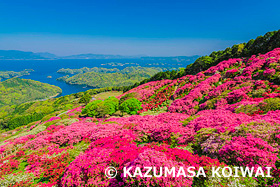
[(258, 93), (35, 130), (103, 108), (259, 129), (100, 108), (85, 98), (68, 107), (131, 106), (189, 119), (15, 178), (68, 121), (90, 109), (113, 103), (127, 96), (270, 104), (247, 109)]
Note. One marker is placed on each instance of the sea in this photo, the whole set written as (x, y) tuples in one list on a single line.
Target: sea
[(48, 68)]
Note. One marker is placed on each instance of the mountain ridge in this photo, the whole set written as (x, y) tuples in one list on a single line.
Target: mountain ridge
[(26, 55)]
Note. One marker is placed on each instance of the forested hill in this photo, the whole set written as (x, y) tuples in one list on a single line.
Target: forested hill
[(15, 91), (103, 77), (261, 44)]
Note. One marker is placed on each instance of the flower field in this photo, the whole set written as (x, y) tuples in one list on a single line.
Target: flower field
[(228, 115)]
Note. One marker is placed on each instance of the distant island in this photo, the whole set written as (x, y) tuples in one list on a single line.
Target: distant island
[(10, 74), (22, 55), (86, 69), (103, 77)]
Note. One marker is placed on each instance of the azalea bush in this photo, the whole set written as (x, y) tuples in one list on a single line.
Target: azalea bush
[(248, 151)]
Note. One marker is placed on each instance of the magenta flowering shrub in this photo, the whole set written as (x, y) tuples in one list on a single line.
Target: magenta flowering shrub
[(238, 94), (23, 139), (231, 72), (271, 117), (79, 131), (269, 72), (73, 133), (222, 66), (145, 91), (38, 142), (32, 127), (248, 151), (52, 119), (221, 104), (156, 159), (188, 103), (220, 89), (222, 120), (186, 88), (88, 169), (156, 128)]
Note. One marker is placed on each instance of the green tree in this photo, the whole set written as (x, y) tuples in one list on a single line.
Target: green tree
[(100, 108), (112, 103), (90, 109), (103, 109), (85, 98), (131, 106)]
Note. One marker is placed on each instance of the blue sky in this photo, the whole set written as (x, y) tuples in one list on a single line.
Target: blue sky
[(133, 27)]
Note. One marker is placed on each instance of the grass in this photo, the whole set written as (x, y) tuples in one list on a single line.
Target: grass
[(105, 95)]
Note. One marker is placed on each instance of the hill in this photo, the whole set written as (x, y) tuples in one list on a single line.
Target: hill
[(261, 44), (23, 55), (19, 55), (225, 116), (103, 77), (94, 56), (15, 91), (10, 74)]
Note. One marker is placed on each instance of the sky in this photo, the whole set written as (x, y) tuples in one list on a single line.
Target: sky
[(133, 27)]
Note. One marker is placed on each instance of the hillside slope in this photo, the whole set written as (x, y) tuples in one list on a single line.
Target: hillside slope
[(15, 91), (227, 115), (261, 44)]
